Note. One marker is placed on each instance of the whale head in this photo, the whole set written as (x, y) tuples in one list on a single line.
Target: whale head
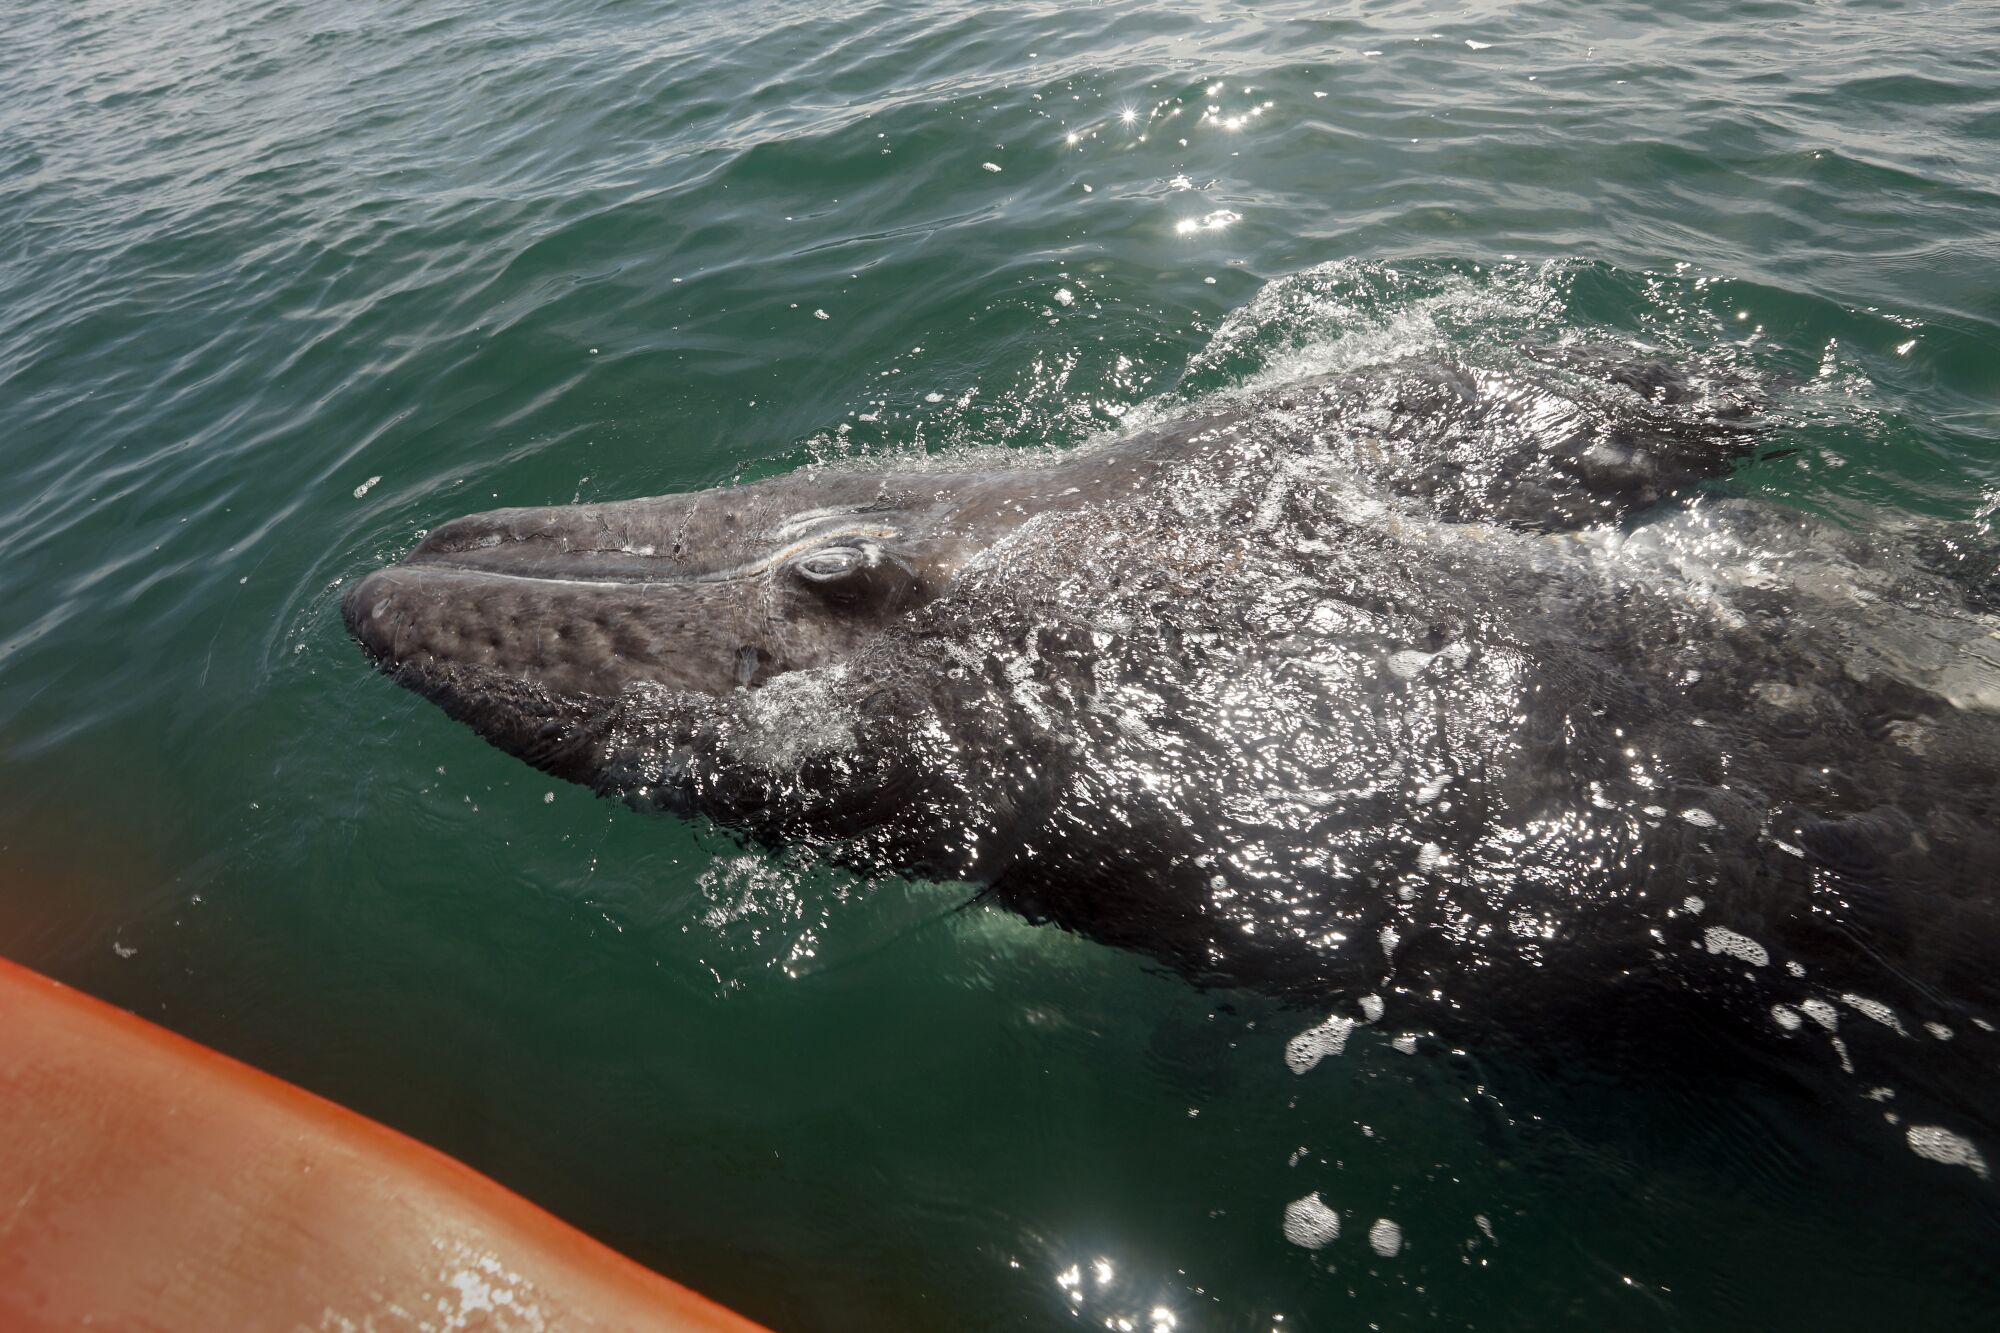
[(770, 654), (542, 628), (706, 592)]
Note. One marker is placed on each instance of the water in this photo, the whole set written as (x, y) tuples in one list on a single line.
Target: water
[(281, 287)]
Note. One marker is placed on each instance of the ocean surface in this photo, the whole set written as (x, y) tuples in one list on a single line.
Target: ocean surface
[(283, 285)]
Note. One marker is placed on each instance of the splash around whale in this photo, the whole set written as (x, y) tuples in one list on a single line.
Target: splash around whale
[(1434, 685)]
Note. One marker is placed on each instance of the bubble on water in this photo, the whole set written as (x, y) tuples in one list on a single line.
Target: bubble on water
[(1786, 1017), (1874, 1009), (821, 314), (1939, 1144), (548, 798), (1385, 1238), (1721, 940), (365, 487), (1310, 1224), (990, 166), (1308, 1048)]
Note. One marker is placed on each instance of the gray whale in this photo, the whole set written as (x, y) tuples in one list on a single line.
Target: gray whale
[(1433, 686)]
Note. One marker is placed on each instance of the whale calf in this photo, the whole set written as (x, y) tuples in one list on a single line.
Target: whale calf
[(1440, 685)]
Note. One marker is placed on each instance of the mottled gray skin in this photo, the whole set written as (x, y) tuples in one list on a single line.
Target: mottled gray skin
[(1426, 682)]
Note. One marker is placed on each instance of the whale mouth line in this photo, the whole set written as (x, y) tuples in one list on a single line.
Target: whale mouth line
[(561, 580), (611, 578)]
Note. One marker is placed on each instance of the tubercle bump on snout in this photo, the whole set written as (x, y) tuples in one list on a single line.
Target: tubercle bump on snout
[(361, 606)]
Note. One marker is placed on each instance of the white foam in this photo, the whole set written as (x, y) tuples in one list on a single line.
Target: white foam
[(1941, 1145), (1317, 1042), (1408, 663), (1385, 1238), (1721, 940), (792, 718), (1874, 1009), (1310, 1224)]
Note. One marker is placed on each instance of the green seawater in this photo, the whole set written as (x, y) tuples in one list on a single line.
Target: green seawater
[(284, 284)]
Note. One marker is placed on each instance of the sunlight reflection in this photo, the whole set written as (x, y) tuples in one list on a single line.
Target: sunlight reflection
[(1216, 221), (1094, 1291)]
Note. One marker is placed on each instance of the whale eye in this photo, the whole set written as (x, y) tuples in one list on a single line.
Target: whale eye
[(831, 562), (855, 574)]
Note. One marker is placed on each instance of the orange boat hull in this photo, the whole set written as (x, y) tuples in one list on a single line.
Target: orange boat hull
[(147, 1182)]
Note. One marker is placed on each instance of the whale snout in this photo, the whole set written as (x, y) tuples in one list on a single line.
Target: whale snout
[(421, 620), (561, 599), (703, 593), (363, 609)]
